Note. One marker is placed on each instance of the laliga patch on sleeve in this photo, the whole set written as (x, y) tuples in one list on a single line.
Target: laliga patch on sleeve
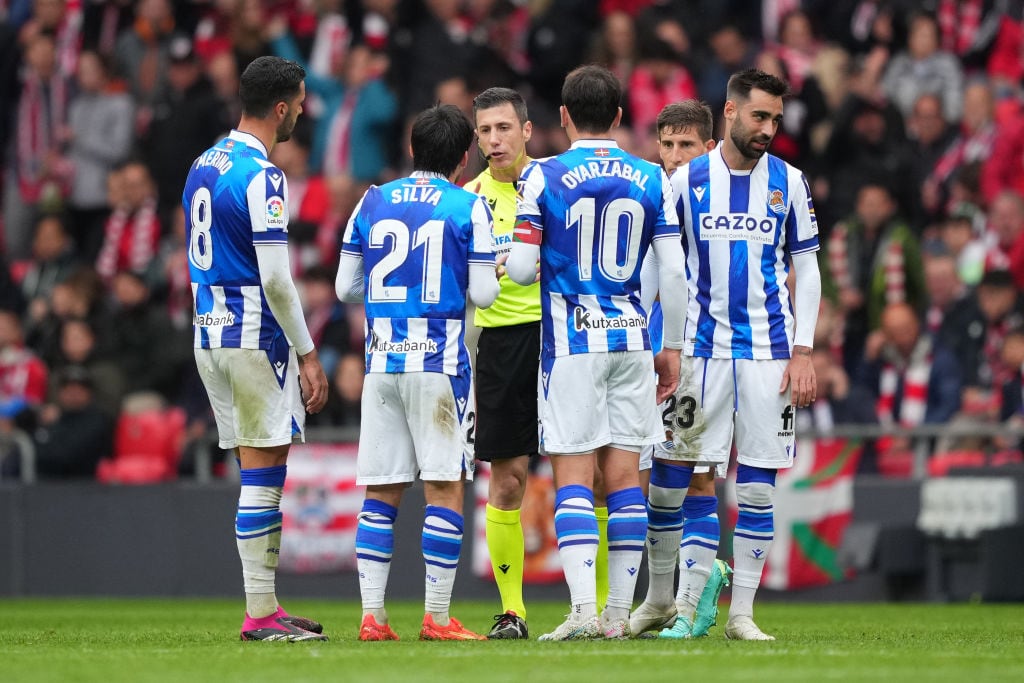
[(275, 213)]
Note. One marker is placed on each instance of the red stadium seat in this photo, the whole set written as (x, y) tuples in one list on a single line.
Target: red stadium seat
[(147, 446)]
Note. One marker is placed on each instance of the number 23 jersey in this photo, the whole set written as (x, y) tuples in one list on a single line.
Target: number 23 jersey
[(233, 199)]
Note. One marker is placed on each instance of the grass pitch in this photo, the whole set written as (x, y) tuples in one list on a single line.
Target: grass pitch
[(197, 640)]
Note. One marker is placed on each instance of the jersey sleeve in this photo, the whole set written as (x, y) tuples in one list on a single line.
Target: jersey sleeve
[(352, 242), (801, 224), (667, 224), (267, 199), (529, 228), (481, 248)]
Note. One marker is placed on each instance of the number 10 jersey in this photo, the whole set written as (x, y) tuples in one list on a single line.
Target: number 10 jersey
[(595, 211)]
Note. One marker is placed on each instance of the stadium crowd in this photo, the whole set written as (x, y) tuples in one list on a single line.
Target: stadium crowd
[(907, 117)]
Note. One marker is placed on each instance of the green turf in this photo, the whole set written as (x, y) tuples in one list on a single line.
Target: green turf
[(196, 640)]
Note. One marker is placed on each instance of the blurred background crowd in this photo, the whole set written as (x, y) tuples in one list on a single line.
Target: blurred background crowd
[(906, 118)]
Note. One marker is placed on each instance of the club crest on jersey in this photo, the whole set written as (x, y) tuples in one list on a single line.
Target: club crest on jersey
[(776, 201), (275, 212)]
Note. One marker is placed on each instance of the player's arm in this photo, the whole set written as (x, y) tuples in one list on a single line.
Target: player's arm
[(483, 286), (270, 237), (649, 280), (521, 265), (802, 244), (350, 283), (668, 250)]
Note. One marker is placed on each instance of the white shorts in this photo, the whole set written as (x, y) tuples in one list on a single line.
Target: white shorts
[(253, 404), (719, 398), (416, 422), (589, 400)]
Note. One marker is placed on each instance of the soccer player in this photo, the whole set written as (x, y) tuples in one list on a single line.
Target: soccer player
[(746, 216), (412, 249), (252, 347), (508, 356), (685, 131), (591, 214)]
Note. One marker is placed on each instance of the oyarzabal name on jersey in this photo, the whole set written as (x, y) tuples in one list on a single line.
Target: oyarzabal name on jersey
[(603, 169), (211, 320), (216, 158), (378, 345), (737, 226), (582, 320)]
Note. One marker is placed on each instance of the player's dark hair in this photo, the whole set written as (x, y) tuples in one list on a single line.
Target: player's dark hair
[(591, 94), (495, 97), (688, 114), (266, 81), (440, 136), (742, 82)]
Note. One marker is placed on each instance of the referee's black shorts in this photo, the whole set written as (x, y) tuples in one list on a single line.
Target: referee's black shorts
[(507, 361)]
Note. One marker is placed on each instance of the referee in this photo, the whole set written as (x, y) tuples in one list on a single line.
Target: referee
[(507, 358)]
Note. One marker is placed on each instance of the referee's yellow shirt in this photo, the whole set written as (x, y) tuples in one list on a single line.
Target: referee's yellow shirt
[(515, 304)]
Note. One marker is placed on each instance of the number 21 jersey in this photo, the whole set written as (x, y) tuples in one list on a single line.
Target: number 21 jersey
[(417, 237)]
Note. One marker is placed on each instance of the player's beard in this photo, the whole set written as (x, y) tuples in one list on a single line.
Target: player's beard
[(743, 140), (284, 131)]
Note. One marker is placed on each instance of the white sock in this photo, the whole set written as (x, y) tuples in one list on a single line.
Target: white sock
[(751, 542), (375, 542), (442, 543), (258, 536), (576, 529), (627, 526)]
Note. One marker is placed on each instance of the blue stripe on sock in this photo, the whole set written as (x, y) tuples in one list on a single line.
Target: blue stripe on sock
[(573, 491), (670, 476), (694, 540), (754, 522), (247, 522), (695, 507), (264, 476), (381, 508), (450, 516), (746, 474)]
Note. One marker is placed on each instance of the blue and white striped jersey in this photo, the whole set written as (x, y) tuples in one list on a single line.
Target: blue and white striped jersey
[(234, 199), (417, 237), (739, 229), (594, 210)]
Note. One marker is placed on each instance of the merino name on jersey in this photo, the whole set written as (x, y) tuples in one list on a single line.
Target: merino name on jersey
[(216, 158), (416, 193), (604, 168)]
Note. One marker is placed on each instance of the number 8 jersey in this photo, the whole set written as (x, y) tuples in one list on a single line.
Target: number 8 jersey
[(233, 199), (594, 210), (417, 237)]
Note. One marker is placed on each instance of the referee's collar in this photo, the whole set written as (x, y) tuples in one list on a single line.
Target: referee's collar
[(249, 139)]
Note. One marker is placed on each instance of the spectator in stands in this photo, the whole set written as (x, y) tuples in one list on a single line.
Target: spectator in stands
[(797, 46), (976, 331), (915, 380), (730, 51), (132, 233), (351, 138), (972, 145), (929, 135), (1006, 235), (344, 401), (1012, 413), (924, 67), (188, 117), (74, 433), (78, 349), (141, 53), (99, 135), (37, 175), (866, 145), (959, 235), (152, 355), (23, 375), (875, 261), (53, 261), (658, 79), (325, 316), (944, 291), (615, 47), (81, 295)]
